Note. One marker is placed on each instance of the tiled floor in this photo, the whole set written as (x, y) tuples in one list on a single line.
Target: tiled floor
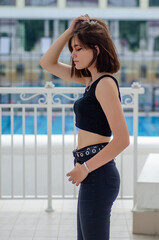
[(28, 220)]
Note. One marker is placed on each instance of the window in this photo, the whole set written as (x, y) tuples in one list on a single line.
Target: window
[(155, 98), (2, 69), (7, 2), (123, 3), (156, 44), (40, 2), (143, 71), (131, 32), (5, 44), (157, 72), (20, 69), (82, 2), (33, 30), (154, 3), (123, 75)]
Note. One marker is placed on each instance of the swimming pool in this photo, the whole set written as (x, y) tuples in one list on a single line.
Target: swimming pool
[(148, 126)]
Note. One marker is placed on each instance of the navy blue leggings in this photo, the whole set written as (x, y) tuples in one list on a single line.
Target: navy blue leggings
[(96, 196)]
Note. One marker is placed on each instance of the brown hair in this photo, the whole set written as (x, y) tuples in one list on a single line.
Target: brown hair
[(94, 33)]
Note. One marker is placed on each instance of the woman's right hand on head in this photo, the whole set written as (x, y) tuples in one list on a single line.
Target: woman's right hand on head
[(80, 18)]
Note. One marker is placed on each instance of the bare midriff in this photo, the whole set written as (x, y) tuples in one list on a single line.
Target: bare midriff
[(86, 138)]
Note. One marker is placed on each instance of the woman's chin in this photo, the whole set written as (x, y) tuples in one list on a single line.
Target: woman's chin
[(79, 68)]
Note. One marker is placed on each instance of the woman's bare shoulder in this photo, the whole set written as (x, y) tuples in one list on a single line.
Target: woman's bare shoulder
[(106, 87)]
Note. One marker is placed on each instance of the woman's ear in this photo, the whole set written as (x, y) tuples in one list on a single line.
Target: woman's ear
[(98, 50)]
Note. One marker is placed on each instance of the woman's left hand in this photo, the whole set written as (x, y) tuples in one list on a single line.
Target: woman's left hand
[(78, 174)]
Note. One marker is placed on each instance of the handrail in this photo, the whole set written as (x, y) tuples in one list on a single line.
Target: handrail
[(49, 92)]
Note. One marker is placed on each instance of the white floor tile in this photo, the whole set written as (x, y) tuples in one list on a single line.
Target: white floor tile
[(22, 233), (45, 238), (119, 234), (24, 227), (28, 220), (120, 238), (33, 222), (20, 238), (70, 204), (118, 222), (4, 233), (118, 228), (48, 215), (7, 221), (68, 218), (49, 220), (6, 227), (46, 227), (49, 233), (65, 238), (67, 231)]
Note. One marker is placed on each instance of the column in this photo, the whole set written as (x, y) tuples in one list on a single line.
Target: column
[(70, 21), (61, 3), (13, 38), (20, 3), (144, 4), (150, 34), (116, 33), (102, 4), (114, 29), (46, 28), (56, 29)]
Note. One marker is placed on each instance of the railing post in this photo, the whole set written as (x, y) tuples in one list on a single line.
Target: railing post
[(48, 99), (49, 86), (121, 173), (135, 133)]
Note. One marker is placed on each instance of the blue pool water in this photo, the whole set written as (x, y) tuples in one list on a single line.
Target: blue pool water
[(148, 126)]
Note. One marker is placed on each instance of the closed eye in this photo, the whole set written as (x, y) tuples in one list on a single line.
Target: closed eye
[(78, 49)]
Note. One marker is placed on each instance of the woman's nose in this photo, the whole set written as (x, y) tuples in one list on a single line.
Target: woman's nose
[(73, 54)]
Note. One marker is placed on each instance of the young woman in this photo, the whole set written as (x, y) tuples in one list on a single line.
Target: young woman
[(98, 115)]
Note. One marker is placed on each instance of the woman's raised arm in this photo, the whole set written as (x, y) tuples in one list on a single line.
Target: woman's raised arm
[(50, 62)]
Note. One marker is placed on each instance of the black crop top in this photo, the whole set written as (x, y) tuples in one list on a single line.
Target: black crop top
[(89, 114)]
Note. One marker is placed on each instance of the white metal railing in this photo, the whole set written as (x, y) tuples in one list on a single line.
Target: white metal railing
[(49, 98)]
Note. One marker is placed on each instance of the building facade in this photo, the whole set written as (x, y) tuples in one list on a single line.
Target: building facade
[(28, 27)]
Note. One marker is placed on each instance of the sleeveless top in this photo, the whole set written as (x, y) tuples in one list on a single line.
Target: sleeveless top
[(89, 114)]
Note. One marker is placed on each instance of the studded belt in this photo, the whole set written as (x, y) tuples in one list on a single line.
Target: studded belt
[(90, 150)]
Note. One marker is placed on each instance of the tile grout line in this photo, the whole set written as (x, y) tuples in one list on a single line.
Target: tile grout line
[(124, 210), (41, 209), (60, 219), (2, 204), (16, 220)]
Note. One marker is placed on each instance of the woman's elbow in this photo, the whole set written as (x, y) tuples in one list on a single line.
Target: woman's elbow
[(123, 142), (126, 141), (42, 63)]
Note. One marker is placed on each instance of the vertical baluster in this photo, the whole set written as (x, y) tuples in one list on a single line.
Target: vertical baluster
[(135, 133), (63, 152), (12, 172), (35, 149), (49, 150), (121, 174), (23, 129), (74, 132), (0, 152), (75, 142)]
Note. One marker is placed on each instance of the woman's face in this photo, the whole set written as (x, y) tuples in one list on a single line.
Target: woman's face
[(80, 55)]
